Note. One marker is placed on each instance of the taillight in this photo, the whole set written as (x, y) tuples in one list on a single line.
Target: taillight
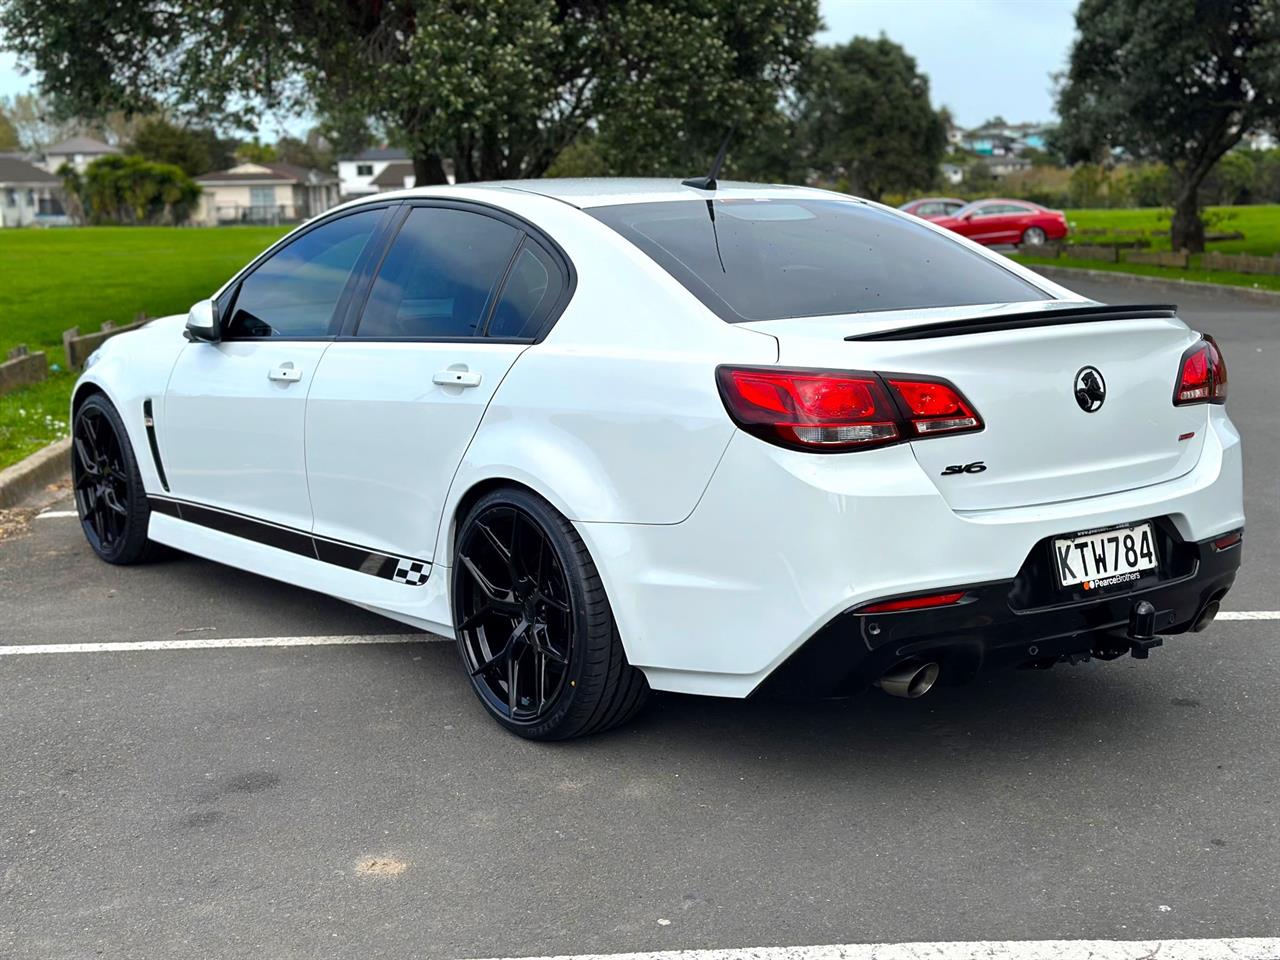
[(1202, 375), (838, 410), (934, 406)]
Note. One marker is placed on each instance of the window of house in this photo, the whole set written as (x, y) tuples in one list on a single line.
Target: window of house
[(364, 169)]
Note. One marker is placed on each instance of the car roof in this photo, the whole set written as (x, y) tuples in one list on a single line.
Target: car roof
[(606, 191)]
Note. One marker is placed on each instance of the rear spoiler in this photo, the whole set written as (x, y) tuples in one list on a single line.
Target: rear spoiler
[(1028, 318)]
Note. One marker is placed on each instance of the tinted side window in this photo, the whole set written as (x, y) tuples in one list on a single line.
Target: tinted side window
[(438, 276), (531, 292), (294, 293)]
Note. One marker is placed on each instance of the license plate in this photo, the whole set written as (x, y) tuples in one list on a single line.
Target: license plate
[(1105, 558)]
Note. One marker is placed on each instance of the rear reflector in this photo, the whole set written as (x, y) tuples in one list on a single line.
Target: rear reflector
[(1229, 540), (836, 410), (914, 603), (1202, 375)]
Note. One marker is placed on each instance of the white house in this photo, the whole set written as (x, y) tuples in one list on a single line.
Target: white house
[(265, 193), (356, 174), (77, 151), (396, 176), (28, 194)]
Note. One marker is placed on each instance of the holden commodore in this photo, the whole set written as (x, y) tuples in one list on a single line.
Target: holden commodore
[(622, 436)]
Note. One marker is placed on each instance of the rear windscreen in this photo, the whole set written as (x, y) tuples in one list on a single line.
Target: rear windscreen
[(769, 259)]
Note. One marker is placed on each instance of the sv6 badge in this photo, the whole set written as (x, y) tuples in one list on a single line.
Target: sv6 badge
[(976, 467)]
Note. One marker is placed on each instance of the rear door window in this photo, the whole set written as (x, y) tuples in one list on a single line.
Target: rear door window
[(770, 259), (533, 288), (439, 276)]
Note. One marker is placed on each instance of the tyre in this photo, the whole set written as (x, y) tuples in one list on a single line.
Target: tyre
[(533, 624), (1034, 237), (110, 498)]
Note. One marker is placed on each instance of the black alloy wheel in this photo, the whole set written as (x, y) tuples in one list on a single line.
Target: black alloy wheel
[(533, 626), (108, 489)]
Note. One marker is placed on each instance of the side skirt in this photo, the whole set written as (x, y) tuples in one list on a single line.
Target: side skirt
[(425, 606), (405, 570)]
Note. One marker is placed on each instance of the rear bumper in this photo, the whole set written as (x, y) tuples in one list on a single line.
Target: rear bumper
[(1008, 623), (783, 543)]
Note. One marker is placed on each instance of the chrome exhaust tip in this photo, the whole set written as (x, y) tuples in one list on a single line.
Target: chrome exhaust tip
[(1206, 616), (910, 680)]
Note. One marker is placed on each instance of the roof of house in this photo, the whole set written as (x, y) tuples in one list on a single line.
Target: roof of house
[(81, 145), (13, 170), (380, 153), (394, 175), (267, 173)]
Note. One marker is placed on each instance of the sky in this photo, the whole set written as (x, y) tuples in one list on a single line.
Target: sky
[(983, 57)]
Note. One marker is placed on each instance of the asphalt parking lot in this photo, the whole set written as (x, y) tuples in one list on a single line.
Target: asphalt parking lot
[(353, 800)]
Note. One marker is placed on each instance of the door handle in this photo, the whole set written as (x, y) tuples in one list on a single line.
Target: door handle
[(285, 373), (456, 378)]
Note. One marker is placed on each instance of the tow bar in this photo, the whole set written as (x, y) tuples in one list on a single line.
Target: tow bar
[(1142, 629)]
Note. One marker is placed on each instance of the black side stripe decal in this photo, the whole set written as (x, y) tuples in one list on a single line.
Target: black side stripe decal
[(149, 420), (374, 563)]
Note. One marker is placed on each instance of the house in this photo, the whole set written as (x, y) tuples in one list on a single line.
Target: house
[(265, 193), (356, 174), (396, 176), (952, 173), (77, 151), (28, 194)]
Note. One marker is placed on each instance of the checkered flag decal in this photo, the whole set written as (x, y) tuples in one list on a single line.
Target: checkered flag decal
[(412, 572)]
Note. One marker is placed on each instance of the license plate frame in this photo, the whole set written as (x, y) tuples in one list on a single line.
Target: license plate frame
[(1107, 558)]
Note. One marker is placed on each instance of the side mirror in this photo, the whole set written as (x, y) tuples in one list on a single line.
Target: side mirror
[(202, 322)]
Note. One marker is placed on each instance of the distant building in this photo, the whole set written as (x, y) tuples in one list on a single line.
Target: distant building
[(265, 193), (952, 173), (77, 151), (356, 174), (396, 176), (28, 194), (1003, 166), (1004, 139)]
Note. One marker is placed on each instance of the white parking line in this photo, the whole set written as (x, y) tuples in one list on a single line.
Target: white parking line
[(55, 514), (213, 643), (1241, 948), (1248, 615)]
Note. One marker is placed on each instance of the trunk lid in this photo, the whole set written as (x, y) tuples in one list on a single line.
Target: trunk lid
[(1038, 445)]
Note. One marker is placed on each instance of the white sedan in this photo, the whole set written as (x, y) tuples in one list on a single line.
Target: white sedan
[(616, 436)]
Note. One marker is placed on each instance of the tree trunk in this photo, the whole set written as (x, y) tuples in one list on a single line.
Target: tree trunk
[(1187, 229), (428, 168)]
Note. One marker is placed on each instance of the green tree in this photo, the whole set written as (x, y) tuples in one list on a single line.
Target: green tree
[(868, 116), (255, 151), (8, 133), (1175, 81), (130, 190), (194, 150), (499, 88)]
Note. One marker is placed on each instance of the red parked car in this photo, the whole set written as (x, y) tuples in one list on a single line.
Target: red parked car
[(931, 208), (992, 222)]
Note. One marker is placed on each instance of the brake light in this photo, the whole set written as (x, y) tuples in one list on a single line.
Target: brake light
[(1202, 375), (837, 410), (934, 406), (915, 603)]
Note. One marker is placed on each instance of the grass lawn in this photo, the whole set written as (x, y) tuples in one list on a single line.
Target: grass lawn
[(51, 280), (1260, 226), (1253, 281), (33, 417)]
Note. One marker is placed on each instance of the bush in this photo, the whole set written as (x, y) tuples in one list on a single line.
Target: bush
[(129, 190)]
